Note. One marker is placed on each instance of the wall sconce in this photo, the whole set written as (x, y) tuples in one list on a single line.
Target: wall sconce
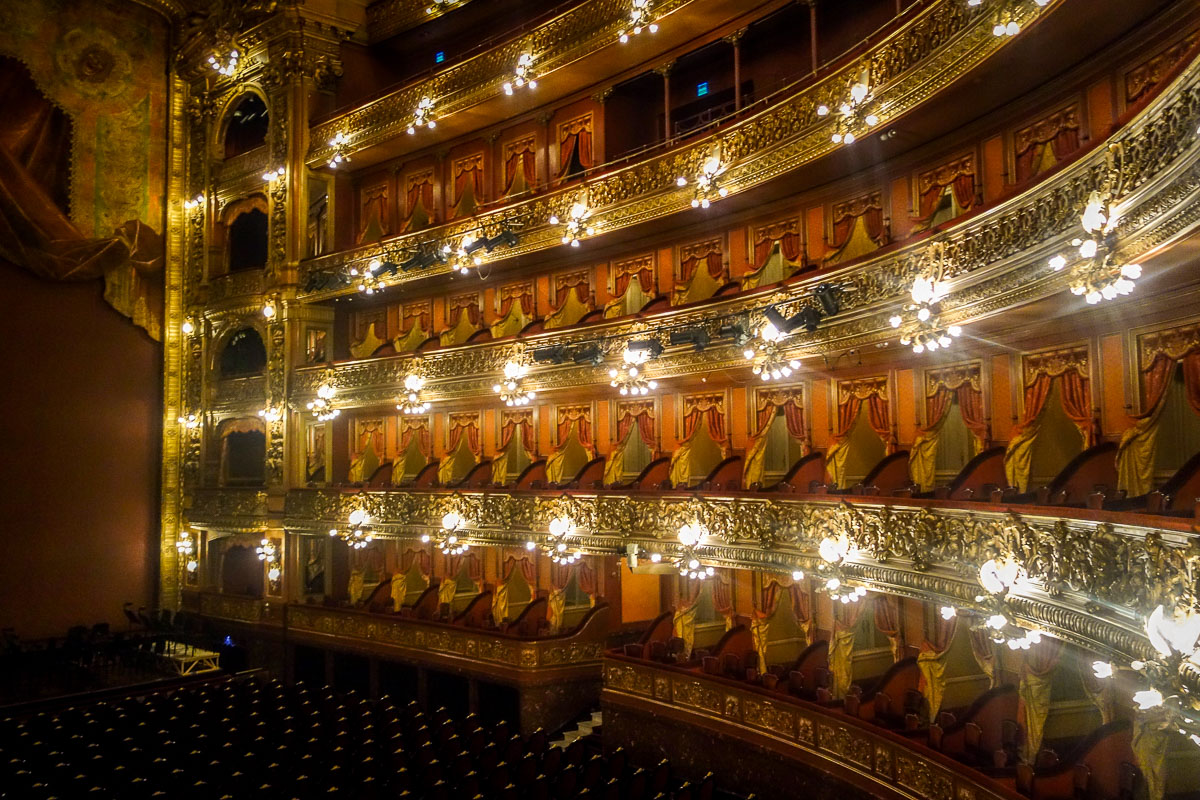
[(191, 421), (322, 406), (522, 75), (511, 391), (188, 327), (271, 413), (1098, 275), (555, 547), (766, 352), (856, 114), (225, 65), (272, 175), (448, 541), (423, 116), (410, 401), (925, 330), (834, 552), (639, 18), (576, 226), (339, 142), (708, 189), (187, 554), (195, 203), (357, 537), (269, 309)]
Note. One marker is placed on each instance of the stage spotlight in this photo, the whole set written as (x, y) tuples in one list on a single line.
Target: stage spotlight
[(550, 355), (736, 329), (696, 337), (652, 347), (828, 295), (505, 238), (588, 354), (807, 318)]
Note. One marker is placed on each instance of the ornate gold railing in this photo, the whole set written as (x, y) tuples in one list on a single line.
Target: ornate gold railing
[(927, 54), (995, 260), (1092, 575), (833, 743), (229, 509)]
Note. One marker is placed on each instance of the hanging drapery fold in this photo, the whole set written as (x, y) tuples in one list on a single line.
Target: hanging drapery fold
[(520, 167), (572, 300), (419, 202), (1046, 143), (416, 320), (851, 397), (778, 254), (701, 272), (468, 186), (464, 432), (704, 412), (512, 422), (574, 424), (841, 649), (943, 389), (984, 651), (791, 402), (1138, 448), (500, 593), (858, 228), (632, 415), (1070, 370), (951, 184), (370, 453), (422, 560), (1153, 737), (515, 311), (889, 622), (931, 661), (575, 145), (1037, 672), (683, 623)]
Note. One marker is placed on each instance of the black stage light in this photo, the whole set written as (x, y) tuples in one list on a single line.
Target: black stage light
[(556, 354), (737, 329), (652, 346), (506, 238), (696, 337), (807, 318), (828, 295), (588, 354)]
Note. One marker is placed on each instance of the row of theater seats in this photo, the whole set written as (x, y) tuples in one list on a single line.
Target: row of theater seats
[(1087, 481), (249, 737), (984, 736)]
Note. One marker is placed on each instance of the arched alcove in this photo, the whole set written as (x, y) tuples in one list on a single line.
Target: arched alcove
[(246, 233), (241, 572), (1178, 429), (243, 354), (246, 128), (243, 452), (865, 450), (1058, 440)]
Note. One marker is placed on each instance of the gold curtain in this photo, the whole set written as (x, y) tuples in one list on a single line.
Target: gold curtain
[(500, 603), (841, 661), (942, 388), (399, 589), (683, 624), (792, 401), (984, 651), (556, 608), (705, 412), (1037, 677), (1152, 738), (356, 586), (759, 628), (1070, 369), (931, 661), (851, 396), (447, 590), (1139, 444)]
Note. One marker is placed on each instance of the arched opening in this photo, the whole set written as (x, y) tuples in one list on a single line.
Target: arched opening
[(247, 126), (409, 463), (782, 450), (241, 572), (243, 453), (864, 450), (638, 456), (518, 457), (1058, 440), (247, 241), (955, 445), (1178, 437), (705, 455), (244, 354), (520, 594)]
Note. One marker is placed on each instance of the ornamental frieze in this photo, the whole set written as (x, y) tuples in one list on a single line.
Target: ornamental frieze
[(994, 261)]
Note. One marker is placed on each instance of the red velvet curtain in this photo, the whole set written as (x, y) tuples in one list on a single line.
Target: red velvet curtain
[(470, 429), (789, 247), (970, 405), (579, 285), (508, 429), (850, 405), (470, 303), (713, 261), (579, 140), (416, 313), (1062, 143), (583, 427), (793, 414), (1077, 403), (510, 293), (418, 427), (872, 216), (887, 615), (712, 414), (1157, 377), (371, 437), (523, 161), (419, 557), (1036, 395), (473, 176), (644, 274), (474, 567), (942, 634), (644, 420), (722, 593), (528, 569), (422, 193)]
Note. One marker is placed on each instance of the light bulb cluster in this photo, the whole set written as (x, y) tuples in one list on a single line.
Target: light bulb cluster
[(511, 392), (449, 542), (576, 224), (1097, 275), (1006, 21), (522, 75), (266, 551), (269, 309), (690, 535), (707, 186), (225, 65), (855, 115), (466, 254), (271, 413), (639, 19), (924, 330), (187, 552), (195, 203), (555, 547), (357, 536), (834, 551), (339, 143), (629, 378), (272, 175), (423, 116), (190, 421), (766, 351), (410, 402), (998, 576), (367, 279), (322, 406)]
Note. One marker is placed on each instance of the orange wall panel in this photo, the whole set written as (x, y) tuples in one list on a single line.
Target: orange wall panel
[(994, 168), (1002, 407), (1101, 112), (640, 597), (814, 225), (737, 421), (738, 263), (906, 407), (1114, 416), (901, 209), (820, 413)]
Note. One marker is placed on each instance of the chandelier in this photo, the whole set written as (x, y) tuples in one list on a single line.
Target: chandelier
[(268, 552), (368, 281), (576, 223), (187, 552), (423, 116), (707, 188), (322, 406), (925, 330), (273, 175), (522, 75), (448, 542), (766, 352), (690, 535), (856, 113), (191, 421), (339, 142), (1006, 16), (357, 537), (271, 413), (225, 65), (555, 546), (510, 390), (639, 17), (466, 255), (998, 577), (410, 402), (629, 379), (834, 552), (1098, 275), (195, 203)]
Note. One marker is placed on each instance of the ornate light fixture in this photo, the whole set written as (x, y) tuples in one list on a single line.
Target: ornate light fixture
[(1172, 676), (576, 223), (1098, 275), (856, 114), (925, 330), (423, 116), (639, 18), (225, 64), (511, 391), (190, 421), (410, 402), (522, 75), (690, 535), (188, 327), (322, 406), (187, 552), (269, 309), (1006, 15), (339, 142), (268, 552), (357, 537), (368, 280), (766, 352), (466, 255), (629, 379), (272, 175), (834, 552), (195, 203), (448, 542), (707, 189), (271, 413), (556, 547), (998, 577)]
